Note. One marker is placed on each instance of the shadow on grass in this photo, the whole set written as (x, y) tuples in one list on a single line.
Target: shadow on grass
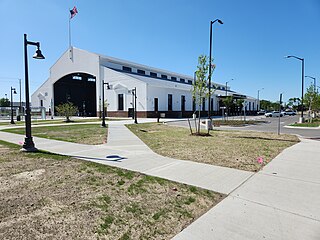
[(269, 139)]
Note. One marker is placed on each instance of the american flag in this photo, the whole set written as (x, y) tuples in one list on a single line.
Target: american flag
[(73, 12)]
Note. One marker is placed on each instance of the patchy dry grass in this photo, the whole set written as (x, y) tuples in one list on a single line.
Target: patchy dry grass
[(46, 196), (79, 133), (234, 149)]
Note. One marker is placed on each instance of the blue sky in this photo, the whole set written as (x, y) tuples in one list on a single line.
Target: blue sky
[(170, 34)]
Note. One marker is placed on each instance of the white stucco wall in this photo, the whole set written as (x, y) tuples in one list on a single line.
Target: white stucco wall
[(121, 83)]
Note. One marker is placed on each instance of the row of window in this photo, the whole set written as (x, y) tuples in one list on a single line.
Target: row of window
[(170, 101), (153, 74)]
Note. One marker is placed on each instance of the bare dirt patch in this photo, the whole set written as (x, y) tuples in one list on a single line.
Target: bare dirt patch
[(45, 196)]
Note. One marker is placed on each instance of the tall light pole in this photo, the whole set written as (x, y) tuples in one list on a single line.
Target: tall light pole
[(280, 102), (258, 98), (210, 59), (302, 82), (14, 92), (227, 85), (28, 144), (134, 92), (314, 82), (103, 124)]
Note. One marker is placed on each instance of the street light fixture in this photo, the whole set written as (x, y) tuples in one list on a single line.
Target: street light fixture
[(314, 82), (302, 80), (258, 98), (210, 59), (14, 92), (227, 85), (103, 124), (28, 144)]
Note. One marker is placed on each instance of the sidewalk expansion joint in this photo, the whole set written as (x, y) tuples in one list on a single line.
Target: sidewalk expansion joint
[(275, 208), (291, 179)]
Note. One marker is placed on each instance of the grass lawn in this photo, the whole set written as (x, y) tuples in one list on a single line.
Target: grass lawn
[(235, 149), (46, 196), (57, 121), (235, 122), (79, 133), (314, 123)]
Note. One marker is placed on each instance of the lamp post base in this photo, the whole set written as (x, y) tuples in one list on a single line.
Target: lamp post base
[(28, 145), (12, 122), (301, 119)]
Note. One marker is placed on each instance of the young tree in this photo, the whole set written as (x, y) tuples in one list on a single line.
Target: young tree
[(4, 102), (228, 102), (67, 109), (311, 99), (200, 88), (294, 103)]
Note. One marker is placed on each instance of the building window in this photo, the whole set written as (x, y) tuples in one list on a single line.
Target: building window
[(189, 81), (76, 77), (156, 104), (120, 102), (41, 103), (153, 74), (203, 104), (164, 76), (249, 106), (127, 69), (182, 80), (46, 94), (193, 105), (139, 71), (173, 78), (211, 105), (169, 102), (91, 79), (183, 103)]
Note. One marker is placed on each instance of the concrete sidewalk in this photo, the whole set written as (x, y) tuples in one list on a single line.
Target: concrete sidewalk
[(126, 150), (279, 202)]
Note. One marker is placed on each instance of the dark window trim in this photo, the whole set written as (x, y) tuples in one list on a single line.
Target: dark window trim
[(143, 72), (163, 76), (126, 69)]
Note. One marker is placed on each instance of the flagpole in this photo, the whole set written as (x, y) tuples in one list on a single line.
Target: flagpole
[(69, 30)]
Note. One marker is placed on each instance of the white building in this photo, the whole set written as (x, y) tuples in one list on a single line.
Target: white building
[(78, 77)]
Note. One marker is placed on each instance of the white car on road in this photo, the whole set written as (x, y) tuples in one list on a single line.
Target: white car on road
[(274, 114)]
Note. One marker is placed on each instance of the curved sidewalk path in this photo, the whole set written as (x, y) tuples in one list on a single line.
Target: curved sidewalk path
[(280, 202), (126, 150)]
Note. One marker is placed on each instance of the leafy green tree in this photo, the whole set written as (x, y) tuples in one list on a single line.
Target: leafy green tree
[(4, 102), (67, 109), (200, 88), (294, 103), (311, 99), (228, 102)]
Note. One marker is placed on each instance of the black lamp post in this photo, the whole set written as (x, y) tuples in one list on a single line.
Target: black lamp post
[(258, 99), (14, 92), (28, 144), (103, 124), (314, 82), (302, 80), (134, 92), (210, 59)]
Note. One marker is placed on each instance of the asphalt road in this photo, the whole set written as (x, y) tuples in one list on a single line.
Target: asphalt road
[(270, 126)]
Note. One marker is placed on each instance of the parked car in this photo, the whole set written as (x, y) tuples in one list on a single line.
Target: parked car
[(290, 113), (261, 112), (274, 114)]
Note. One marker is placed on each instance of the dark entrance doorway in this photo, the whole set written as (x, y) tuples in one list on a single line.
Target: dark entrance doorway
[(78, 88)]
